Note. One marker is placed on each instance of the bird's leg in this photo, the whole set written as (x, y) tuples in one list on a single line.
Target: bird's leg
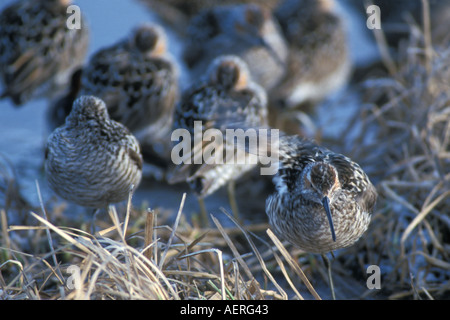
[(232, 200), (94, 217), (330, 277), (203, 213)]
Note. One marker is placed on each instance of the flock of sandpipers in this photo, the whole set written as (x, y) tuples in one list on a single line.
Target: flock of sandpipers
[(240, 57)]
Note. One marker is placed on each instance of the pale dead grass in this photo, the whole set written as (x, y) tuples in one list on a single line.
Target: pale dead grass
[(171, 263)]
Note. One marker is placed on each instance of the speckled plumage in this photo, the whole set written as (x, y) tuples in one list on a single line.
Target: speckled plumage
[(248, 31), (318, 60), (225, 95), (92, 160), (37, 51), (308, 173), (138, 80)]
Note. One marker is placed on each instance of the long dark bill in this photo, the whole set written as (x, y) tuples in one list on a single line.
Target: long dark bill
[(326, 205)]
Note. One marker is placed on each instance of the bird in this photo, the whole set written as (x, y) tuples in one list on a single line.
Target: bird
[(137, 78), (177, 13), (38, 51), (246, 30), (318, 61), (323, 201), (92, 160), (225, 95)]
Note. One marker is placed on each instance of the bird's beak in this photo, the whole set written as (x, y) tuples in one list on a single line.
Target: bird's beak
[(326, 205)]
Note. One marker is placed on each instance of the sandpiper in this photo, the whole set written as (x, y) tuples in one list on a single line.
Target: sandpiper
[(91, 160), (226, 95), (137, 78), (318, 62), (38, 51), (248, 31), (177, 13), (323, 200)]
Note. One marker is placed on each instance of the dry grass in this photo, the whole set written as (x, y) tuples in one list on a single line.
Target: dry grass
[(402, 143)]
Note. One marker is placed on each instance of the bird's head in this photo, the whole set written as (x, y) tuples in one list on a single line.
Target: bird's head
[(321, 182)]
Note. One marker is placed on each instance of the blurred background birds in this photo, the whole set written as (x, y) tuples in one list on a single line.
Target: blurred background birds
[(38, 52)]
